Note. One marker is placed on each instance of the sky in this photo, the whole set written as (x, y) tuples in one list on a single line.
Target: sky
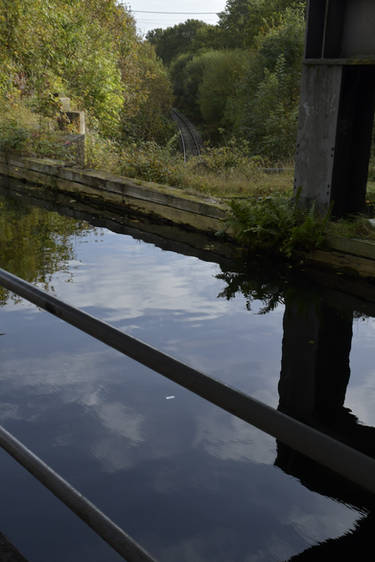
[(145, 21)]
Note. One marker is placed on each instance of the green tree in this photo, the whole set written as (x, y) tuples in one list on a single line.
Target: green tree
[(188, 37), (222, 71), (242, 20), (178, 73), (86, 49), (152, 121), (264, 109)]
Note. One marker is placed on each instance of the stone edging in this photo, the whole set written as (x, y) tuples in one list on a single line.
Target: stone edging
[(163, 202), (169, 204), (347, 255)]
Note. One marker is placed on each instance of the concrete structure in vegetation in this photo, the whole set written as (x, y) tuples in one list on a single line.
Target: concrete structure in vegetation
[(74, 123), (337, 105)]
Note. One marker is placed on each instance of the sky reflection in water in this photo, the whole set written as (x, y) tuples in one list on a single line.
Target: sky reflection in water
[(188, 481)]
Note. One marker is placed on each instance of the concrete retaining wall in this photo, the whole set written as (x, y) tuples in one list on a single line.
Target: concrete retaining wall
[(349, 256), (167, 204), (145, 198)]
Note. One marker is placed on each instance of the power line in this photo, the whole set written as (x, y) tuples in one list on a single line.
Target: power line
[(177, 13), (146, 20)]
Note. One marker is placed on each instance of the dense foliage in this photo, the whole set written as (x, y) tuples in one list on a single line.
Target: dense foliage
[(87, 50), (236, 80), (274, 225), (240, 78), (190, 36), (243, 21)]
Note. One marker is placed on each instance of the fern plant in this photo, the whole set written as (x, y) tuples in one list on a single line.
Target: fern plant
[(277, 225)]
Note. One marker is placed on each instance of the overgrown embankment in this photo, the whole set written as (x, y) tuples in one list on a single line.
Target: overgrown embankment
[(89, 51), (239, 81)]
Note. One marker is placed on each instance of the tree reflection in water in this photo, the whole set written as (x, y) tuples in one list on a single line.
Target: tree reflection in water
[(259, 285), (35, 243)]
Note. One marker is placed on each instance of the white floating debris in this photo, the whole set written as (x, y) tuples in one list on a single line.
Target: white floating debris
[(169, 397)]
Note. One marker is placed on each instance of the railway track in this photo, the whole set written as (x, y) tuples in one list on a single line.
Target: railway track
[(191, 142)]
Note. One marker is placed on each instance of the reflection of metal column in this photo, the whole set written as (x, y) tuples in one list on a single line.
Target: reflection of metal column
[(315, 373), (8, 552), (315, 365), (314, 376), (337, 105)]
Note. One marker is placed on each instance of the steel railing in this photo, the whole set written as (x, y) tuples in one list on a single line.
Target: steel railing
[(342, 459)]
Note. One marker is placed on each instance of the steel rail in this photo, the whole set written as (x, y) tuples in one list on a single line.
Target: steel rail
[(81, 506), (333, 454), (184, 124), (183, 144), (175, 117), (192, 132)]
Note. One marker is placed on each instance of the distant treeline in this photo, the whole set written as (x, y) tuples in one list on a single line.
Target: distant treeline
[(241, 77)]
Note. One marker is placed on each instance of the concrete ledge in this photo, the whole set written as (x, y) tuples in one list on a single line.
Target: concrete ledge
[(353, 246), (345, 264), (165, 235), (348, 256), (165, 202)]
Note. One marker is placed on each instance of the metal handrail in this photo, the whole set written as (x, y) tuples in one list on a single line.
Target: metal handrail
[(81, 506), (344, 460)]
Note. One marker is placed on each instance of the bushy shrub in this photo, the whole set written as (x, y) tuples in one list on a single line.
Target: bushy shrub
[(219, 171), (13, 137), (151, 162), (24, 131), (231, 159), (102, 153)]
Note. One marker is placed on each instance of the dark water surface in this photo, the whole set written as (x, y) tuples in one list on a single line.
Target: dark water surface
[(188, 481)]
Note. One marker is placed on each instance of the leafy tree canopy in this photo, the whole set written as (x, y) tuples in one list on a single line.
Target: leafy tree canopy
[(190, 36), (246, 83), (85, 49), (242, 20)]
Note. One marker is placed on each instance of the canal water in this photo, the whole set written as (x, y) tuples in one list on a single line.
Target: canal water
[(188, 481)]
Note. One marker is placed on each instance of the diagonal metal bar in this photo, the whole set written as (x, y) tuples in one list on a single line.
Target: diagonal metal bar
[(88, 512), (344, 460)]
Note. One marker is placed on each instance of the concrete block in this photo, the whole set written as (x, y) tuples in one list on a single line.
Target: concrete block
[(168, 204)]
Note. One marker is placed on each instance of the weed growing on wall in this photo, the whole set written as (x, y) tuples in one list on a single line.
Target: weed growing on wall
[(276, 225), (357, 226)]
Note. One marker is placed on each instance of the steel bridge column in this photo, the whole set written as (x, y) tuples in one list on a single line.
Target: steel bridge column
[(337, 106)]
